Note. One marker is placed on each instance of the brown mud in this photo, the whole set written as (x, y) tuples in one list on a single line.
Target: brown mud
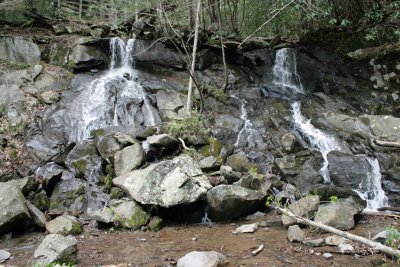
[(165, 247)]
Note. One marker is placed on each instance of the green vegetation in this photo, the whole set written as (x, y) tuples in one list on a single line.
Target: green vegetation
[(217, 93), (393, 237), (13, 65), (189, 126), (334, 199), (80, 167)]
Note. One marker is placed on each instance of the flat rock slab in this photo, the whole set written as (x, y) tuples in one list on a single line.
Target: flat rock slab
[(246, 228), (4, 255)]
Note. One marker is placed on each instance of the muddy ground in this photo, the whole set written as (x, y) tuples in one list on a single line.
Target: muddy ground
[(164, 248)]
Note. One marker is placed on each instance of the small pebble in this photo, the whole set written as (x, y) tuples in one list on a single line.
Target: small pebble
[(194, 238), (327, 256)]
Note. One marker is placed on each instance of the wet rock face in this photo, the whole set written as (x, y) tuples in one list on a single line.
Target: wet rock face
[(347, 170), (227, 202), (167, 183)]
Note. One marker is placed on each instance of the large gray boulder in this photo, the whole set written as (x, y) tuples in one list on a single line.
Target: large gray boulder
[(37, 215), (163, 140), (55, 248), (348, 170), (304, 207), (168, 183), (13, 210), (203, 259), (83, 57), (339, 215), (83, 160), (122, 213), (227, 202), (19, 49), (128, 159), (64, 225), (383, 127)]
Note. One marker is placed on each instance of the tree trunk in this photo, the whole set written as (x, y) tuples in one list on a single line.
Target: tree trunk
[(374, 245), (196, 36)]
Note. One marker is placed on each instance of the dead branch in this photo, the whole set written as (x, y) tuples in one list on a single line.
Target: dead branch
[(374, 245)]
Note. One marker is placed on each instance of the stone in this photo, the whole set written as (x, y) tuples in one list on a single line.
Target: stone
[(335, 240), (84, 57), (155, 224), (345, 248), (167, 183), (258, 182), (19, 49), (107, 146), (381, 237), (13, 210), (83, 159), (209, 164), (288, 141), (163, 140), (128, 159), (229, 122), (228, 202), (49, 97), (239, 162), (128, 214), (314, 242), (55, 248), (339, 214), (4, 255), (246, 228), (228, 173), (348, 170), (202, 259), (27, 184), (37, 216), (295, 234), (170, 104), (64, 225), (327, 256), (325, 192), (304, 207)]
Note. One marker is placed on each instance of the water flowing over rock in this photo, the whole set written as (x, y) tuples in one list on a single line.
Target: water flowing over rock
[(285, 75), (168, 183)]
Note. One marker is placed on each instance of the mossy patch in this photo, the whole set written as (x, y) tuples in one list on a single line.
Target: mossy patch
[(97, 133), (137, 220), (80, 167)]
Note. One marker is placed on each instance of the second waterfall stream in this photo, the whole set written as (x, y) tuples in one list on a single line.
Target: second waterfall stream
[(285, 76)]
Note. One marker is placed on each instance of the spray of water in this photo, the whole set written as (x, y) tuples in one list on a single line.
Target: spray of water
[(114, 98), (285, 71)]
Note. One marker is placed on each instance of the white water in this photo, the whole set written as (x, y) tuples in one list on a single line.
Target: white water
[(101, 105), (248, 132), (317, 139), (285, 75), (285, 71), (206, 219), (370, 188)]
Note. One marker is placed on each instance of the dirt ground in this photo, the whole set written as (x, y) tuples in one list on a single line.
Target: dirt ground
[(165, 247)]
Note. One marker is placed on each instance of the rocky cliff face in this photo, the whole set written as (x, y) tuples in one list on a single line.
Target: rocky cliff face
[(294, 117)]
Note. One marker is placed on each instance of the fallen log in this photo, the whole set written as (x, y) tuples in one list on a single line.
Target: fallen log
[(386, 143), (374, 245)]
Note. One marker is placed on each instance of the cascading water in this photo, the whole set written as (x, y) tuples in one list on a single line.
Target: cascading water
[(285, 76), (247, 128), (285, 71), (315, 137), (114, 99), (370, 188)]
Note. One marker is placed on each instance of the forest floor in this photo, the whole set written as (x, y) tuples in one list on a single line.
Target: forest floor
[(165, 247)]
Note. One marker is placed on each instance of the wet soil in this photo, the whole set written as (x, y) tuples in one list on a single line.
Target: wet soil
[(165, 247)]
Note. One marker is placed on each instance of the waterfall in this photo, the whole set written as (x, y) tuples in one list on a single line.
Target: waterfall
[(285, 71), (370, 189), (317, 139), (113, 99)]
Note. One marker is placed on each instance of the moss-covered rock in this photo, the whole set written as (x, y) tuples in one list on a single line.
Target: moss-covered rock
[(64, 225), (155, 224)]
